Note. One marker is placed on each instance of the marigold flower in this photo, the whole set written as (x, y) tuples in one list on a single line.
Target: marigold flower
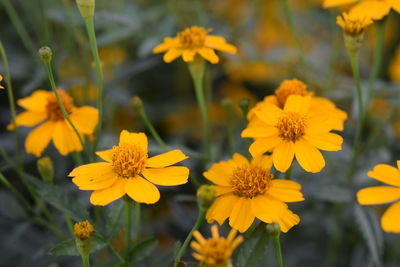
[(293, 131), (384, 194), (192, 41), (128, 170), (1, 79), (351, 25), (215, 251), (42, 108), (246, 190)]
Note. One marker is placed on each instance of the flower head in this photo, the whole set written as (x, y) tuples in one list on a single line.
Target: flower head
[(192, 41), (42, 109), (129, 170), (295, 130), (246, 190), (216, 250), (353, 26), (384, 194), (83, 230)]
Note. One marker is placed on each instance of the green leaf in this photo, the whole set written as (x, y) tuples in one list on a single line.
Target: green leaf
[(113, 217), (371, 238), (58, 198), (143, 249), (68, 247), (250, 253)]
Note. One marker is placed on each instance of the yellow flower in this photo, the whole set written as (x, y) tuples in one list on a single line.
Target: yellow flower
[(1, 79), (192, 41), (83, 230), (384, 194), (293, 131), (216, 250), (128, 170), (245, 191), (42, 108), (369, 9), (352, 25)]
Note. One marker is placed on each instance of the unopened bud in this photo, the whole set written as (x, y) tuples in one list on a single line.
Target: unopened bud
[(45, 54), (273, 229), (83, 236), (46, 169), (205, 196), (86, 7), (137, 103)]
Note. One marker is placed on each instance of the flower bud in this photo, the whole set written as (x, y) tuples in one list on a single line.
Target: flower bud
[(205, 196), (137, 103), (273, 229), (46, 169), (86, 7), (45, 54), (83, 232)]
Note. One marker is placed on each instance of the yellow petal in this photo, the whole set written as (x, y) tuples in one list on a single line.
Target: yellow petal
[(309, 157), (298, 104), (28, 118), (37, 101), (106, 196), (169, 176), (142, 191), (396, 5), (220, 173), (221, 208), (85, 119), (222, 190), (138, 139), (209, 54), (188, 55), (219, 43), (105, 154), (38, 139), (282, 156), (375, 10), (91, 168), (240, 159), (262, 145), (325, 141), (285, 191), (270, 210), (391, 218), (333, 3), (378, 195), (172, 54), (286, 184), (166, 159), (386, 174), (65, 139), (97, 181), (264, 161), (260, 132), (242, 215), (167, 44), (269, 114)]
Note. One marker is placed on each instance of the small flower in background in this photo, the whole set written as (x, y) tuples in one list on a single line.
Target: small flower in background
[(1, 79), (192, 41), (42, 108), (293, 131), (384, 194), (83, 230), (246, 190), (353, 25), (215, 251), (128, 170)]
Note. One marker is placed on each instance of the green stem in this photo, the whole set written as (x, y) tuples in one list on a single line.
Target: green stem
[(137, 220), (151, 128), (128, 224), (12, 189), (61, 105), (85, 260), (288, 173), (227, 104), (11, 101), (95, 52), (278, 250), (199, 221), (294, 32)]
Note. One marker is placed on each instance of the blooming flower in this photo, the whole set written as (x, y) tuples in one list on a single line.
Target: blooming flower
[(246, 190), (128, 170), (353, 25), (293, 131), (192, 41), (216, 250), (384, 194), (318, 105), (42, 108)]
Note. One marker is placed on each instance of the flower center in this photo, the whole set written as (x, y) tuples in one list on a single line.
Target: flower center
[(53, 110), (193, 37), (291, 126), (128, 160), (250, 181), (290, 87), (216, 251)]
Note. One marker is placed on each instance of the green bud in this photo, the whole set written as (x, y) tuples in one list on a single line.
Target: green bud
[(273, 229), (45, 54), (137, 103), (83, 232), (244, 105), (46, 169), (205, 196), (353, 43), (86, 7)]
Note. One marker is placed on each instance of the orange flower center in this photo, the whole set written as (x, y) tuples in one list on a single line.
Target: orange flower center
[(193, 37), (290, 87), (128, 160), (216, 251), (250, 180), (291, 126), (53, 110)]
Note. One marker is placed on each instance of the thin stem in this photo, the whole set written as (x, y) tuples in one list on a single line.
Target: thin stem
[(12, 189), (95, 52), (137, 220), (294, 32), (227, 103), (85, 260), (199, 221), (128, 224), (151, 128), (278, 250), (61, 105)]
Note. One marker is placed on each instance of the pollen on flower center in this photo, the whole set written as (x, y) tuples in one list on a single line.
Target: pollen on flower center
[(216, 251), (128, 160), (291, 126), (288, 88), (53, 110), (250, 180), (193, 37)]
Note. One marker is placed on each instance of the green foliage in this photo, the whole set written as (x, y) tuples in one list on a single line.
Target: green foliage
[(68, 247)]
